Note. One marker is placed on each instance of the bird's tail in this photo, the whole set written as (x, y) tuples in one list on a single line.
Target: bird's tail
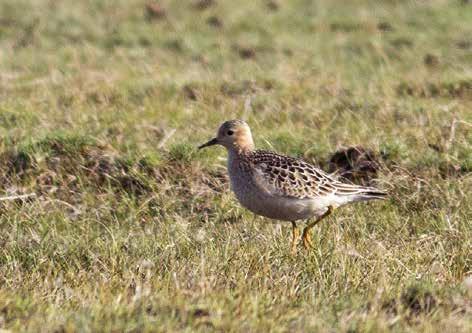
[(354, 193), (370, 194)]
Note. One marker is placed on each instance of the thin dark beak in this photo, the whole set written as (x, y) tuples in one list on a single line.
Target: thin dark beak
[(212, 142)]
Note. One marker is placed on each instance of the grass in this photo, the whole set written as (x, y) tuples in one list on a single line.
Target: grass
[(103, 103)]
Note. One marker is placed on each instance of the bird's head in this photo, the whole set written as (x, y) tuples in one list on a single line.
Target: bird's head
[(233, 134)]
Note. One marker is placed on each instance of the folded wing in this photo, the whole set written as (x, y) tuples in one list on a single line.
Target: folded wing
[(291, 177)]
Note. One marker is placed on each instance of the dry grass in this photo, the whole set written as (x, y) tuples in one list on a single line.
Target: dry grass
[(103, 103)]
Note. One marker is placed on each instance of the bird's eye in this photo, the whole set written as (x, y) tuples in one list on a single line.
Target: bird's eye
[(230, 132)]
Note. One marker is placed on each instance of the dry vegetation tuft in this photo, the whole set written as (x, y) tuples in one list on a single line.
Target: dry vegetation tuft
[(102, 104)]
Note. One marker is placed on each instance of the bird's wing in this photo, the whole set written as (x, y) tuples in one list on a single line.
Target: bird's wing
[(290, 177)]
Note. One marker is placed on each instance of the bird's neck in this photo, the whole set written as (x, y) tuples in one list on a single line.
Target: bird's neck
[(243, 144), (238, 160), (239, 151)]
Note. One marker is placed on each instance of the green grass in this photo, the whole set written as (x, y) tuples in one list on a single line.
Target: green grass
[(133, 229)]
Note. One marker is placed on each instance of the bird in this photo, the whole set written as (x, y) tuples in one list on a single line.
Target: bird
[(283, 188)]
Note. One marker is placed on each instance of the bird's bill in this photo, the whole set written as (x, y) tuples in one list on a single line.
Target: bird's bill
[(212, 142)]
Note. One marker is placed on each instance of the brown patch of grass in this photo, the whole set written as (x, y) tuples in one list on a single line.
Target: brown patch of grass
[(431, 60), (237, 88), (464, 44), (402, 42), (458, 89), (414, 300), (190, 92), (357, 164), (204, 4), (215, 21), (155, 11), (418, 301), (246, 52), (344, 26), (57, 168), (384, 26), (273, 5)]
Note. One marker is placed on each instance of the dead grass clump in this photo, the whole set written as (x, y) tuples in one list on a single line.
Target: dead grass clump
[(273, 5), (215, 22), (104, 98), (217, 180), (154, 11), (195, 188), (246, 52), (129, 176), (237, 88), (462, 88), (344, 26), (204, 4), (190, 92), (175, 45), (384, 26), (357, 164), (16, 162), (418, 301), (61, 164), (458, 89), (431, 60), (448, 169), (464, 44), (416, 191), (345, 103), (402, 43), (414, 300)]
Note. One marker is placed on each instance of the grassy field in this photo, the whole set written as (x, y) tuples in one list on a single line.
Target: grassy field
[(102, 105)]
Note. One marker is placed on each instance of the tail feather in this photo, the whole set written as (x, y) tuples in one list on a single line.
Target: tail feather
[(370, 195), (354, 193)]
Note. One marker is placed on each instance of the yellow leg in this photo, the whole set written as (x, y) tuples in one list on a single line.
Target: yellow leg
[(295, 234), (306, 236)]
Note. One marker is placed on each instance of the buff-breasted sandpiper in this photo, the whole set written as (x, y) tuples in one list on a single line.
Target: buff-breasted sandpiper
[(281, 187)]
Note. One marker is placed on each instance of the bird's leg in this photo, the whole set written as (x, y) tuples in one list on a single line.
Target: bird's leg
[(306, 236), (295, 234)]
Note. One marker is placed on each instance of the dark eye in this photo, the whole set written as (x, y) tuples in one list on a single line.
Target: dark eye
[(230, 132)]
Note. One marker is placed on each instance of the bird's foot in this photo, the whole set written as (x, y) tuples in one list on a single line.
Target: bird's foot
[(307, 243), (295, 234)]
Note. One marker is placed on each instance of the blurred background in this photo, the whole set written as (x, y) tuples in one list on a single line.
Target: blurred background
[(102, 106)]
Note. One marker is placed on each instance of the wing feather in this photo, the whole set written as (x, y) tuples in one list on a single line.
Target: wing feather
[(291, 177)]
